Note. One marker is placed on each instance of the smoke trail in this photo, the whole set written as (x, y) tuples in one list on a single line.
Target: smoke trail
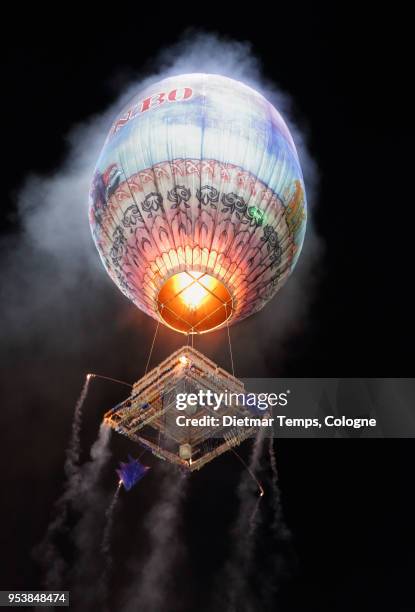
[(245, 590), (48, 552), (109, 515), (278, 525), (234, 592), (273, 463), (150, 591), (87, 533), (80, 496), (275, 566), (74, 449), (253, 519), (106, 546)]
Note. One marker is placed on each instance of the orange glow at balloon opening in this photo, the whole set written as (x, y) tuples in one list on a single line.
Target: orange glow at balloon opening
[(194, 302)]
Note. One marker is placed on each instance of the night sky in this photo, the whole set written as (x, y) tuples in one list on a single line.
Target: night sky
[(349, 504)]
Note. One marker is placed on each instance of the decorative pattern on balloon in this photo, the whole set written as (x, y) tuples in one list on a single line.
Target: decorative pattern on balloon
[(218, 219)]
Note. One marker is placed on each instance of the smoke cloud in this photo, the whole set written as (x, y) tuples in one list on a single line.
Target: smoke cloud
[(56, 300)]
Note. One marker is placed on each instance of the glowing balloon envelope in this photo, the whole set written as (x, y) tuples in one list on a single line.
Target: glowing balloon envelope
[(197, 204)]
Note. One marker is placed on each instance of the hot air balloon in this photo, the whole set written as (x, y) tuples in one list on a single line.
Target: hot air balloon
[(198, 211), (197, 205)]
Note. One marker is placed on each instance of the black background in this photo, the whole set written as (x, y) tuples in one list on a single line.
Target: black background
[(348, 503)]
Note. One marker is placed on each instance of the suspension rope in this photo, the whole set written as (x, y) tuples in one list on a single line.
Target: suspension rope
[(250, 472), (230, 345), (115, 380), (148, 363), (142, 454), (152, 346)]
